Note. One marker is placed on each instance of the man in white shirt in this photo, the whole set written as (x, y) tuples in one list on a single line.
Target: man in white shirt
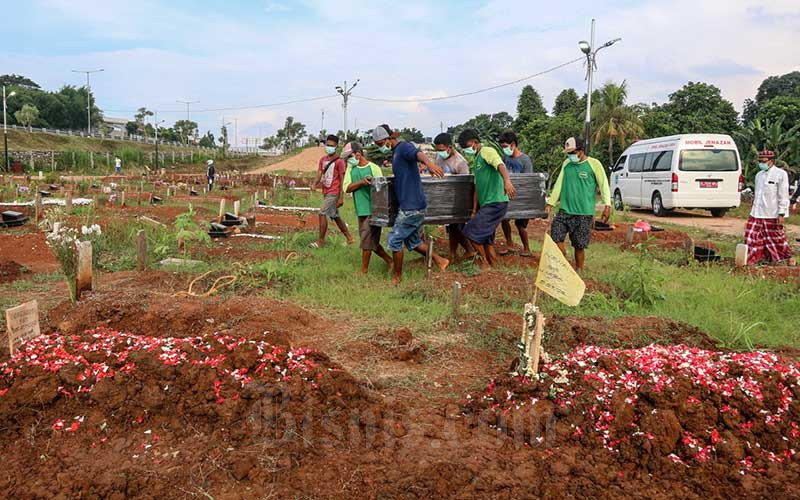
[(453, 163), (117, 165), (765, 236)]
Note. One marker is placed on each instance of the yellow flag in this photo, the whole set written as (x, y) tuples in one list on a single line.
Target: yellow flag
[(556, 276)]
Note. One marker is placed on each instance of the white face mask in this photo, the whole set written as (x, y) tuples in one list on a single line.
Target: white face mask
[(330, 149)]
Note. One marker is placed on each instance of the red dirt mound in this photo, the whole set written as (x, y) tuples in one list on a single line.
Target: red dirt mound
[(11, 271), (717, 424), (29, 250)]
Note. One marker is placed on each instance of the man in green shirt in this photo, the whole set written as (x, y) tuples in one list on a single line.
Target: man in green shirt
[(576, 188), (493, 189), (357, 179)]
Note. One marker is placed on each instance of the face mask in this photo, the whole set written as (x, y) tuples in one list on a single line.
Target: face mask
[(384, 149), (352, 161), (443, 154), (763, 166), (330, 149), (470, 151), (573, 158), (508, 151)]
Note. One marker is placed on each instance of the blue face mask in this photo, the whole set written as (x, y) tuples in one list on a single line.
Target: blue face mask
[(469, 151), (352, 161), (573, 158), (330, 149), (508, 151), (443, 154), (763, 166)]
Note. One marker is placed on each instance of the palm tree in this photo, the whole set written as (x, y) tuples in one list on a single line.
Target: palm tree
[(614, 120), (768, 134)]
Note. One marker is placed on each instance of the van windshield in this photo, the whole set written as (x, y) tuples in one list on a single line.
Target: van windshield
[(708, 160)]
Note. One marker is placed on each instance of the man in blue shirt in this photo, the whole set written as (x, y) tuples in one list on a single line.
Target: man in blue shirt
[(410, 197)]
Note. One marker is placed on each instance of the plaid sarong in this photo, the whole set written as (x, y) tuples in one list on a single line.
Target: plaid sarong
[(766, 240)]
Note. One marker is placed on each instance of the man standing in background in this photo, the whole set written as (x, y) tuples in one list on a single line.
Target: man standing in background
[(210, 174), (516, 162), (330, 174), (117, 166), (765, 235)]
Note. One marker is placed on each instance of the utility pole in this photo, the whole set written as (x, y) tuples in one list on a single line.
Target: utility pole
[(591, 65), (322, 124), (157, 123), (441, 127), (345, 93), (88, 97), (236, 131), (5, 127), (187, 103)]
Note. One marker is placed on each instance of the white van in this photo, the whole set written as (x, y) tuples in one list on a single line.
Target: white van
[(682, 171)]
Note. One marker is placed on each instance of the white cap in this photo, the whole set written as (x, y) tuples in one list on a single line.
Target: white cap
[(210, 162)]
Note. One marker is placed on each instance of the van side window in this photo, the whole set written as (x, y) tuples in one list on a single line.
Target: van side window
[(663, 162), (637, 163), (620, 164), (648, 162)]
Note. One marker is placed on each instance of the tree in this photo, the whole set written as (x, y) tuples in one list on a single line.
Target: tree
[(786, 108), (768, 134), (488, 126), (290, 134), (529, 107), (223, 138), (567, 102), (140, 117), (185, 130), (409, 134), (615, 121), (700, 108), (132, 128), (777, 86), (207, 141), (27, 115), (656, 121), (18, 81)]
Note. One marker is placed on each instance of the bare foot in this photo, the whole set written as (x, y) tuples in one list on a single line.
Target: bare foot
[(396, 280), (350, 240), (469, 256), (443, 263), (362, 271)]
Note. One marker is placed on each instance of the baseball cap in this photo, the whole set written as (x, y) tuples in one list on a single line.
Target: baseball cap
[(350, 149), (766, 153), (572, 144), (381, 133)]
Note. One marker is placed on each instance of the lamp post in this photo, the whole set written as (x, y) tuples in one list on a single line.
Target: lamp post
[(591, 65), (88, 97), (157, 123), (224, 139), (187, 103), (345, 93), (5, 127)]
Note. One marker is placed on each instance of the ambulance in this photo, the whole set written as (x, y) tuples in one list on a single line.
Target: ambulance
[(682, 171)]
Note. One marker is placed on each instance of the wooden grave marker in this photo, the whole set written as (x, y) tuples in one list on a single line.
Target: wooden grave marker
[(22, 323), (83, 280), (141, 250)]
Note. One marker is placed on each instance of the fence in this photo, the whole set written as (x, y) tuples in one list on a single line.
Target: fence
[(98, 135), (76, 160)]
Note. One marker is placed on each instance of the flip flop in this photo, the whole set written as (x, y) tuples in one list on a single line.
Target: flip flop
[(504, 251), (526, 254), (315, 245)]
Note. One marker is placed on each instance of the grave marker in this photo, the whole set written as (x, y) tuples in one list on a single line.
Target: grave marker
[(68, 202), (37, 208), (456, 299), (122, 201), (236, 206), (741, 255), (221, 209), (22, 323), (83, 280), (141, 250)]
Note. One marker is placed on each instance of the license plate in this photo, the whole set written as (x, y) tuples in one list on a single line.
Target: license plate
[(709, 184)]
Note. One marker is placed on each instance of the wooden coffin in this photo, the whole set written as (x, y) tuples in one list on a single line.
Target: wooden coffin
[(450, 199)]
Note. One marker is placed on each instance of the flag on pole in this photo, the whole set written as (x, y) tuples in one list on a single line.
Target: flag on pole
[(556, 277)]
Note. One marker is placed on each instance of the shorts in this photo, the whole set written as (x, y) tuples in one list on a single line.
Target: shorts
[(329, 206), (370, 235), (521, 223), (406, 230), (579, 228), (455, 229), (482, 227)]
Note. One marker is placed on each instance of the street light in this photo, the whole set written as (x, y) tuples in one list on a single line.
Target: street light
[(591, 65), (157, 123), (187, 103), (345, 93), (88, 97), (5, 126)]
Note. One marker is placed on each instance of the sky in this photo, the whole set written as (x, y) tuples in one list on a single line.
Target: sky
[(245, 53)]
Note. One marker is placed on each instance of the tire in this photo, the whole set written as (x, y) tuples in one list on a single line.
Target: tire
[(618, 203), (718, 212), (658, 205)]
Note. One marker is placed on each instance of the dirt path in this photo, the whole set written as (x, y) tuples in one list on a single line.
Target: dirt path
[(731, 226), (304, 161)]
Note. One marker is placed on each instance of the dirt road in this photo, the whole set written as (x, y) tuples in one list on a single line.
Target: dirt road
[(732, 226), (305, 161)]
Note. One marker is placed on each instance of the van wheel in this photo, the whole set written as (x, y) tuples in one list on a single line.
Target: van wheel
[(718, 212), (618, 204), (658, 205)]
